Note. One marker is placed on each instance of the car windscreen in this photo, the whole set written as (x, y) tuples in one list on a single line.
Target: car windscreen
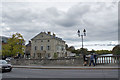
[(3, 62)]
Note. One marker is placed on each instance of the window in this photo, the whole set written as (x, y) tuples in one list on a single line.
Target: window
[(62, 48), (42, 36), (48, 47), (41, 47), (58, 47), (41, 40), (39, 55), (48, 55), (48, 40), (35, 47), (34, 55)]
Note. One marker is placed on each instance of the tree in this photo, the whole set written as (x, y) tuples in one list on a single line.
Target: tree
[(71, 48), (55, 55), (83, 51), (116, 50), (103, 52), (92, 51), (15, 46)]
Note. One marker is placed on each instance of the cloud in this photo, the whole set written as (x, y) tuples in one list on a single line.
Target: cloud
[(99, 20)]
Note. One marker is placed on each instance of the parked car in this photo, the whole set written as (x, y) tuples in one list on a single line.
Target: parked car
[(9, 59), (4, 66)]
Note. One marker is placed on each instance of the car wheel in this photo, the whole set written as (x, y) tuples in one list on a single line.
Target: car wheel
[(9, 70), (3, 71)]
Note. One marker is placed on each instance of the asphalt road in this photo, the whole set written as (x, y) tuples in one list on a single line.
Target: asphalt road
[(51, 73)]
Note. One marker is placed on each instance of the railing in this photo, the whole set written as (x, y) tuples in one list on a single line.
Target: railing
[(107, 59)]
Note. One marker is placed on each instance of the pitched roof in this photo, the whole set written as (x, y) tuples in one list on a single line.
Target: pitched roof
[(52, 36)]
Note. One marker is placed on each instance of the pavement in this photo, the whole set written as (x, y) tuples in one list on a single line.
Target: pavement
[(68, 67)]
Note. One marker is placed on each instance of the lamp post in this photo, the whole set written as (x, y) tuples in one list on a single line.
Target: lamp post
[(82, 35)]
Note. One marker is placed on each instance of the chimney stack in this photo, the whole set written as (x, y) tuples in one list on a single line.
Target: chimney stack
[(29, 42), (53, 34), (49, 33)]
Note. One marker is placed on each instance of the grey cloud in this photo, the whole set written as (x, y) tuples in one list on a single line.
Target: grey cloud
[(18, 16), (53, 11), (66, 22), (100, 20), (73, 15), (78, 10)]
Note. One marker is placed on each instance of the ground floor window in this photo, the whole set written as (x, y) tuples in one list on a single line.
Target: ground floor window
[(34, 55), (49, 55), (41, 47)]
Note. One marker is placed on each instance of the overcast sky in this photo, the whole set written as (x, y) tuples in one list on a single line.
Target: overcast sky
[(100, 19)]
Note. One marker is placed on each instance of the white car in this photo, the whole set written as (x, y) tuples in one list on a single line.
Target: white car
[(4, 66)]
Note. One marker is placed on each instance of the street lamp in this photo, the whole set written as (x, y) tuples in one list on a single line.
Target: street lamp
[(81, 35), (84, 34)]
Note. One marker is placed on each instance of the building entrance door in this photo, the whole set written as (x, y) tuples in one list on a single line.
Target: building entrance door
[(39, 55)]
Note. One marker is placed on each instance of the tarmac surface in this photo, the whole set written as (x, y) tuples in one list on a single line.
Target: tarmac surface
[(38, 72), (60, 73)]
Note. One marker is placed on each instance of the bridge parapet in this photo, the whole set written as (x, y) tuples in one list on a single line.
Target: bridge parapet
[(115, 59)]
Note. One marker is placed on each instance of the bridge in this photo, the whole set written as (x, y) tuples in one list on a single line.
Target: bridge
[(115, 59)]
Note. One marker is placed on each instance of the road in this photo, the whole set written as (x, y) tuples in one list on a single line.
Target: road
[(53, 73)]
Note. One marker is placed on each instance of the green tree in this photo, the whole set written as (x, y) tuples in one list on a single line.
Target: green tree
[(15, 45), (5, 50), (92, 51), (83, 51), (116, 50), (103, 52), (71, 48), (55, 55)]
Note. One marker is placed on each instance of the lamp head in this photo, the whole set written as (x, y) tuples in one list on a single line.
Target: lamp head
[(78, 33), (84, 32)]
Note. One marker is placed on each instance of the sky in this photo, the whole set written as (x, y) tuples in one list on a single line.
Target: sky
[(64, 18)]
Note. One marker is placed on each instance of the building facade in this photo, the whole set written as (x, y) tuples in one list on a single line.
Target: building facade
[(47, 46), (3, 41), (28, 50)]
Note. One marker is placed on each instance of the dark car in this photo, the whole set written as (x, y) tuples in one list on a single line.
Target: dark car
[(4, 66)]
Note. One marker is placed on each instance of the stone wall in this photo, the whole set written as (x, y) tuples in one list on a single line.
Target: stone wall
[(48, 62)]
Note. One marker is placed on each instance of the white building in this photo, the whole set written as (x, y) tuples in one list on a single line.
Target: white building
[(45, 45)]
